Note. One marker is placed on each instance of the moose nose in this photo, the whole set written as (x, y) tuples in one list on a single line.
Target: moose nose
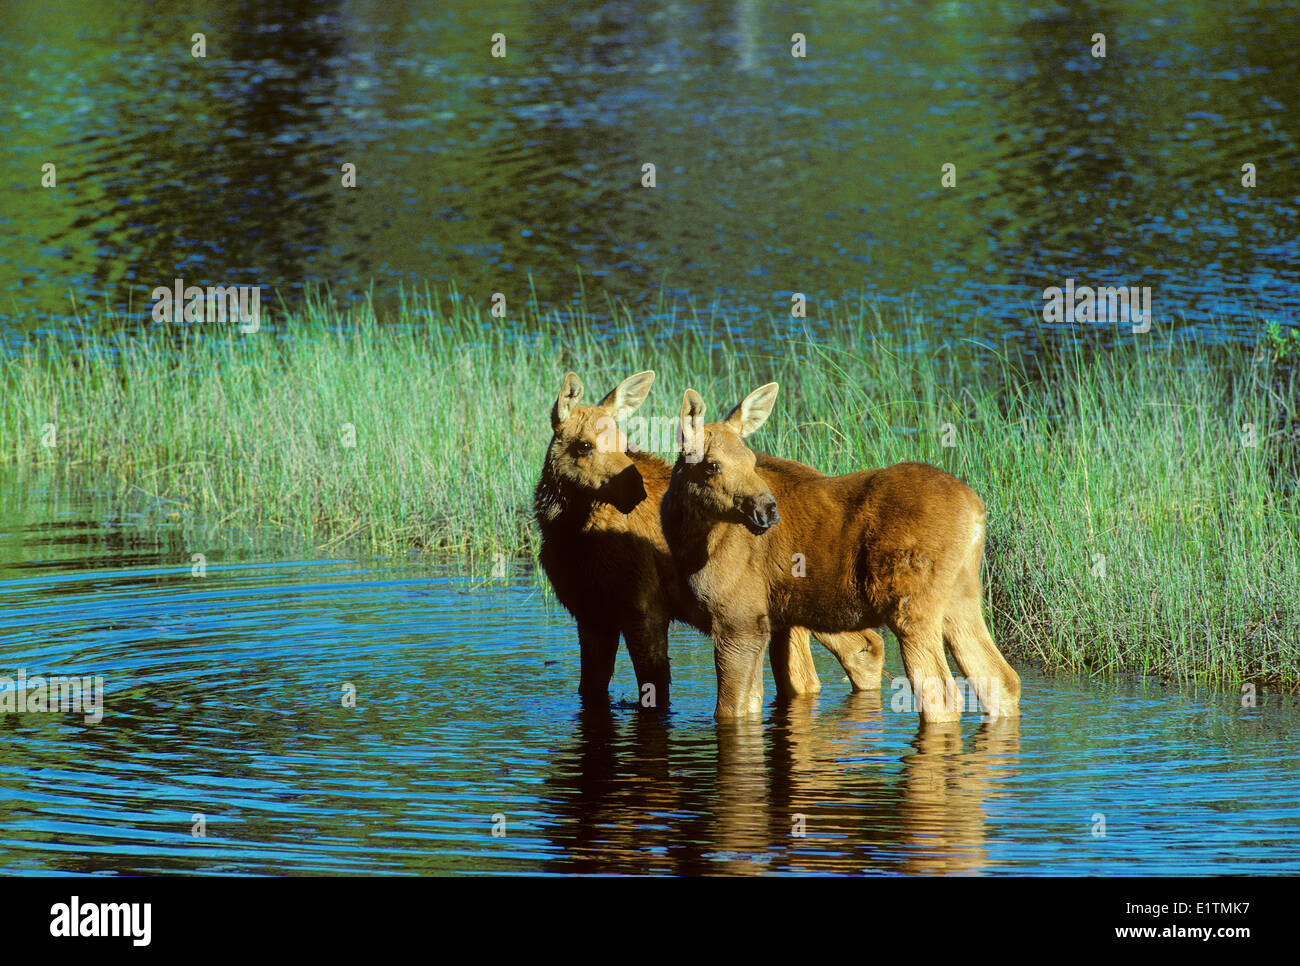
[(762, 513)]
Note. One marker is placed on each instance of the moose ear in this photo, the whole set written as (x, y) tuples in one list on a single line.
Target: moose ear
[(570, 393), (692, 422), (627, 397), (753, 410)]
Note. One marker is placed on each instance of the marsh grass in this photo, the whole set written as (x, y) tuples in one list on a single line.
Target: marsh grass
[(1130, 526)]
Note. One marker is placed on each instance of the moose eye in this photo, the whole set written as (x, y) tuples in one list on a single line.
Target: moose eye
[(582, 447), (711, 468)]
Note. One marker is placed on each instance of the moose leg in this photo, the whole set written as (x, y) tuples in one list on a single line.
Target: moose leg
[(598, 646), (792, 662), (971, 644), (738, 660), (934, 691), (996, 684), (647, 643), (861, 654)]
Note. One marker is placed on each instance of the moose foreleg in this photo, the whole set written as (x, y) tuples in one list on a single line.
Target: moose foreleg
[(598, 648), (647, 643), (792, 662), (738, 660)]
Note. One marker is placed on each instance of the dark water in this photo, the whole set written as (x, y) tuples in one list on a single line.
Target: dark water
[(223, 699), (775, 174)]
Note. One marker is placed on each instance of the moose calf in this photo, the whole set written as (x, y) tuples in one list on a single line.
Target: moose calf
[(899, 547)]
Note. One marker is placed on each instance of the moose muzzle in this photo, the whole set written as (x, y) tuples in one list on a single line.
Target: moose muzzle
[(760, 513)]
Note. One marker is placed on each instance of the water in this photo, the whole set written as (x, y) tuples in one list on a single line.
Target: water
[(775, 175), (224, 700)]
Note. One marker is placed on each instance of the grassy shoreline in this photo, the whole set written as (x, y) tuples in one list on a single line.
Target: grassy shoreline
[(1129, 527)]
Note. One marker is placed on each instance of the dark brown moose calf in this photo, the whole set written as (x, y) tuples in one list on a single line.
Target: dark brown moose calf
[(597, 506), (898, 547)]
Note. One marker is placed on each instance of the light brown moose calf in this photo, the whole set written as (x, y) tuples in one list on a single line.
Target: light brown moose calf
[(897, 547), (597, 506)]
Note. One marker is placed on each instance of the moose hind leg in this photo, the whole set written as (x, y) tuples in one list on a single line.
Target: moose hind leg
[(995, 682), (934, 692), (861, 654)]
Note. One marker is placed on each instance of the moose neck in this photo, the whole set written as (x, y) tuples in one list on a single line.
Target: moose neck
[(687, 529), (562, 506)]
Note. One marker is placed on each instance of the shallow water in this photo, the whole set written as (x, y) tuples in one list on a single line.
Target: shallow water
[(775, 175), (223, 699)]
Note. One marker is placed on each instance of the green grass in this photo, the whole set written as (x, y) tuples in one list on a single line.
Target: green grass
[(1129, 527)]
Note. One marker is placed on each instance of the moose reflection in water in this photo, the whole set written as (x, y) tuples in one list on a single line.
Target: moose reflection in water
[(812, 790)]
